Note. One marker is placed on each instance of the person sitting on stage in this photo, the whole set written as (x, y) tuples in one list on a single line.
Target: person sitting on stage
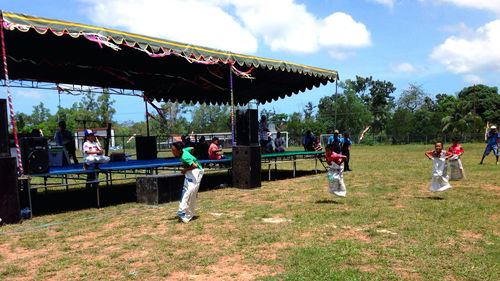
[(269, 148), (64, 138), (214, 151), (279, 143), (201, 149), (92, 151)]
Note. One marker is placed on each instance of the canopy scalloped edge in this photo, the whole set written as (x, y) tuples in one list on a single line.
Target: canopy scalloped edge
[(159, 47)]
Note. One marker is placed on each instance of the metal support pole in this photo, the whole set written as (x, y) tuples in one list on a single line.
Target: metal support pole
[(147, 116), (232, 103), (336, 95)]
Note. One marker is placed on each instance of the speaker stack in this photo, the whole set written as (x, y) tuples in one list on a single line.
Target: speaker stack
[(35, 154), (145, 148), (9, 193), (246, 167), (247, 127), (157, 189)]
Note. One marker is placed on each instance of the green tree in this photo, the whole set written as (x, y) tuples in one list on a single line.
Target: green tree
[(40, 114), (308, 111), (211, 118), (483, 101), (401, 125), (105, 110), (345, 112), (377, 97), (412, 98)]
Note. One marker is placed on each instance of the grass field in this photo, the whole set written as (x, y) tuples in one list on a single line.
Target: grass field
[(389, 227)]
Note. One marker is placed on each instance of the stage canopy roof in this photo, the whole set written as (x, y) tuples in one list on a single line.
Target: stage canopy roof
[(55, 51)]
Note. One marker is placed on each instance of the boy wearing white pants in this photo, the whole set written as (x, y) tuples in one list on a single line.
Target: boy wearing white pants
[(193, 172)]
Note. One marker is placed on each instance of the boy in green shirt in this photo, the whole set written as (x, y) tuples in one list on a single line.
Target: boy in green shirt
[(193, 172)]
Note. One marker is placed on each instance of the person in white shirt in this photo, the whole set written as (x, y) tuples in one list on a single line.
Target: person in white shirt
[(92, 151)]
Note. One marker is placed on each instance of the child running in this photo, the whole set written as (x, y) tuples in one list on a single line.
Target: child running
[(456, 168), (335, 171), (439, 176), (193, 172)]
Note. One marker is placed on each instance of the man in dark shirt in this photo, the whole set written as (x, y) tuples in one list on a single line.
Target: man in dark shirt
[(64, 138)]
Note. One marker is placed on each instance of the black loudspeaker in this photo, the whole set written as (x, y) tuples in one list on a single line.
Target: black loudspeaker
[(10, 211), (145, 148), (35, 155), (156, 189), (4, 131), (246, 166), (247, 127)]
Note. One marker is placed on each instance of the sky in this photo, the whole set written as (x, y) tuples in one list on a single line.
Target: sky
[(440, 45)]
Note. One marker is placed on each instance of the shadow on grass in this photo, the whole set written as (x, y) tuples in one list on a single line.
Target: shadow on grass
[(282, 174), (329, 201), (430, 197), (79, 198)]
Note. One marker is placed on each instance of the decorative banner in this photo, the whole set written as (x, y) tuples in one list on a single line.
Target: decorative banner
[(363, 134), (9, 97)]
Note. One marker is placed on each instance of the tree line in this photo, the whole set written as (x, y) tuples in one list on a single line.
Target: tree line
[(361, 102)]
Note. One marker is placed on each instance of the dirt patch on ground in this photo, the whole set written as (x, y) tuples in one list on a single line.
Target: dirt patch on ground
[(368, 268), (469, 235), (490, 187), (495, 217), (22, 256), (227, 268), (352, 233), (270, 251), (407, 274)]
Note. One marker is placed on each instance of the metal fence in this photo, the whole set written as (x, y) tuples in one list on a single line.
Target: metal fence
[(370, 139)]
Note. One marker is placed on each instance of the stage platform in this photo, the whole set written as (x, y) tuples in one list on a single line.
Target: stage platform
[(149, 167)]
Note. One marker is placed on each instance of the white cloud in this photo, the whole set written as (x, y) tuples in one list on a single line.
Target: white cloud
[(480, 52), (191, 21), (341, 54), (235, 25), (350, 33), (388, 3), (28, 94), (403, 67), (489, 5), (473, 79)]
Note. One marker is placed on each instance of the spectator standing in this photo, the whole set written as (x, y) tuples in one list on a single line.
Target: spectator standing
[(308, 141), (492, 138), (335, 141), (64, 138), (345, 149), (263, 130)]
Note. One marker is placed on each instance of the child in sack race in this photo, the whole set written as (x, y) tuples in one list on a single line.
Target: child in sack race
[(335, 175), (439, 175), (456, 167)]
